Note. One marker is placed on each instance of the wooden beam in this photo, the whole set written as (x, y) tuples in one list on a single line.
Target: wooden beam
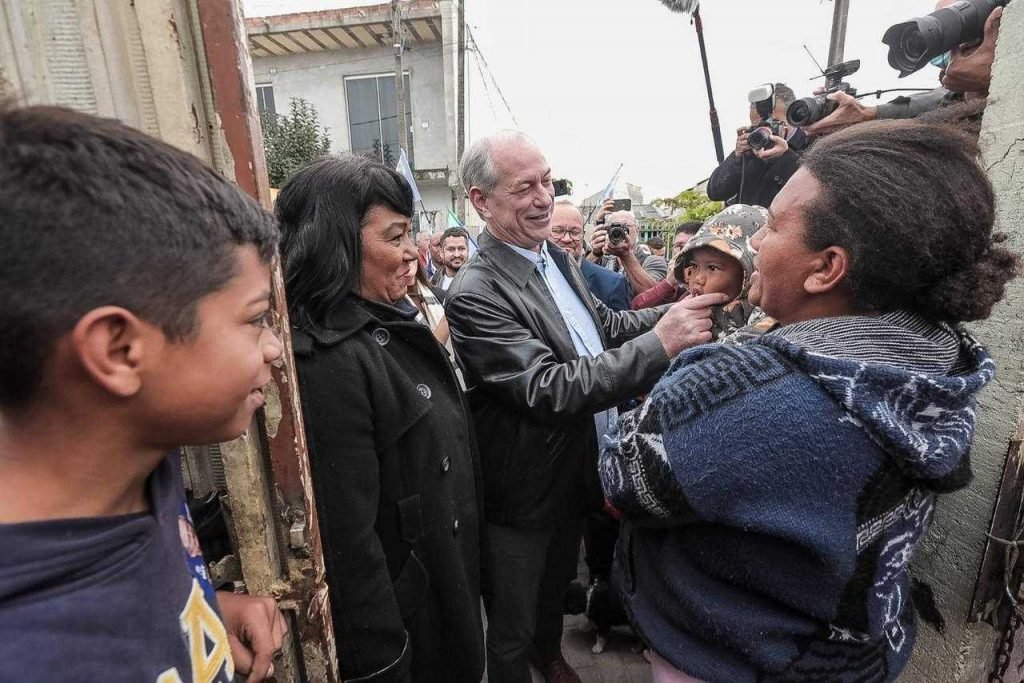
[(433, 29), (332, 38), (413, 31), (281, 46), (353, 36)]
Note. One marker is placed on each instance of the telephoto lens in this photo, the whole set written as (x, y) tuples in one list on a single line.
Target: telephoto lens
[(912, 44), (760, 138)]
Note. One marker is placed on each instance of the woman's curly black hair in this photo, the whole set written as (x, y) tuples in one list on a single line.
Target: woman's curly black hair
[(914, 209)]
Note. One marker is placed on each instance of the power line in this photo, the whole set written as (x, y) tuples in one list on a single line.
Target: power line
[(497, 87), (487, 88)]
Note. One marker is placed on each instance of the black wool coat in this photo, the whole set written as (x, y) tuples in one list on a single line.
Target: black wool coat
[(397, 485)]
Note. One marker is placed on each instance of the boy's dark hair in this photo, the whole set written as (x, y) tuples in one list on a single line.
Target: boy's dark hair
[(689, 227), (914, 210), (656, 242), (94, 213), (454, 232), (321, 210)]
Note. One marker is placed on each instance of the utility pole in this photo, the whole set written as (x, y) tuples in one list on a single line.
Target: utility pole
[(460, 141), (398, 32), (838, 42)]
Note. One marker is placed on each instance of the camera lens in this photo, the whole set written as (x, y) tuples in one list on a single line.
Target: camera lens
[(616, 234), (803, 111), (760, 139), (912, 43)]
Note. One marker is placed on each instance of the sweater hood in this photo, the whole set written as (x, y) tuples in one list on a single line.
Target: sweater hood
[(909, 383)]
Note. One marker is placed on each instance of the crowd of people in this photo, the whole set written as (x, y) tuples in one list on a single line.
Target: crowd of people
[(745, 430)]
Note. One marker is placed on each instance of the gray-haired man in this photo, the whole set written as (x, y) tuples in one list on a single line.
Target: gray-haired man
[(545, 363)]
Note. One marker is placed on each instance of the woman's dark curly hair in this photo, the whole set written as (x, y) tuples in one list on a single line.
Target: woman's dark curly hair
[(914, 209)]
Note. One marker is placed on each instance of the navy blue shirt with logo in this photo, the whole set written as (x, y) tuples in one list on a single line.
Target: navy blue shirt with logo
[(125, 598)]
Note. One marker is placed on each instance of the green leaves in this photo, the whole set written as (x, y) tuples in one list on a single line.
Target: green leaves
[(293, 141), (688, 205)]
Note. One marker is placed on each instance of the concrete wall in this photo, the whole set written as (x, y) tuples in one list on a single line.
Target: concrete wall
[(319, 77), (951, 556)]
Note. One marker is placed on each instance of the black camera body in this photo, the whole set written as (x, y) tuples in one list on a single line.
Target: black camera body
[(808, 110), (617, 233), (759, 135)]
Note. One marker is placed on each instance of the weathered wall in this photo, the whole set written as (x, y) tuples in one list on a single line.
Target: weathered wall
[(952, 553), (319, 77)]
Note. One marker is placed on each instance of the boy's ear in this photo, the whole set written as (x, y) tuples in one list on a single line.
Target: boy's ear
[(109, 342), (830, 268)]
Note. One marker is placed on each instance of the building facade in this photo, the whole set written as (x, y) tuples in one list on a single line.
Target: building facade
[(344, 62)]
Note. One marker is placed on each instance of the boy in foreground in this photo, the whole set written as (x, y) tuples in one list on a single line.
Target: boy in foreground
[(134, 298)]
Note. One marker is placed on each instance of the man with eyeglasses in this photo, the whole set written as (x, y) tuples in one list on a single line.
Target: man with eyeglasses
[(567, 232), (966, 72)]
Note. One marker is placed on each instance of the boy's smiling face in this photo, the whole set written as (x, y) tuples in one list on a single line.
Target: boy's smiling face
[(710, 271), (205, 389)]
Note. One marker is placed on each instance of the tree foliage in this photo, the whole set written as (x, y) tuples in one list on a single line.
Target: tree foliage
[(293, 141), (689, 205)]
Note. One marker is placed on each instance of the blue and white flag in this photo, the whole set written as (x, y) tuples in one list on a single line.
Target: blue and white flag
[(610, 189), (406, 171)]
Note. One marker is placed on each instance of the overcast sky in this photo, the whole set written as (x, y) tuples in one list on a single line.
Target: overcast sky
[(603, 82)]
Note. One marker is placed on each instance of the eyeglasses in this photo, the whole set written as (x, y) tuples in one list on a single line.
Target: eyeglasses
[(559, 231)]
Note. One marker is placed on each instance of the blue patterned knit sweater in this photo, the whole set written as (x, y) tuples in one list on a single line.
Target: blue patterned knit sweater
[(775, 492)]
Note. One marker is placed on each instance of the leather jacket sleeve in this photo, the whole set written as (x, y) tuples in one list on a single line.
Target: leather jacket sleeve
[(501, 355)]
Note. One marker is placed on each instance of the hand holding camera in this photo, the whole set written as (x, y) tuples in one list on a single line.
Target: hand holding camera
[(849, 111), (618, 241), (773, 146), (742, 146), (970, 68)]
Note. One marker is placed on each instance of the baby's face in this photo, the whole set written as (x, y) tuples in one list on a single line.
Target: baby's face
[(710, 271)]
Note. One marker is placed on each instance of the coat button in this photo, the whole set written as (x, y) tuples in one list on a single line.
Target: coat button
[(446, 464), (424, 390), (381, 336), (455, 527)]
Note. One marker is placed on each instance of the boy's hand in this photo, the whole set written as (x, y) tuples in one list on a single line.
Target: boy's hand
[(256, 631)]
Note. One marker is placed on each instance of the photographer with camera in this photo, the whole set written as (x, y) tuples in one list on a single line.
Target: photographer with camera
[(616, 246), (766, 153), (966, 68)]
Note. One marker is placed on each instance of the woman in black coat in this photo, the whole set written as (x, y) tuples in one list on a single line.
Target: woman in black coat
[(392, 452)]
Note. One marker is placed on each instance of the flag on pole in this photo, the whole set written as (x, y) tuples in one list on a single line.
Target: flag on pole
[(452, 218), (610, 189), (406, 171)]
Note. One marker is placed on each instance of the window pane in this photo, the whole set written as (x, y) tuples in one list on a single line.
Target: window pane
[(389, 117), (363, 115), (265, 99)]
